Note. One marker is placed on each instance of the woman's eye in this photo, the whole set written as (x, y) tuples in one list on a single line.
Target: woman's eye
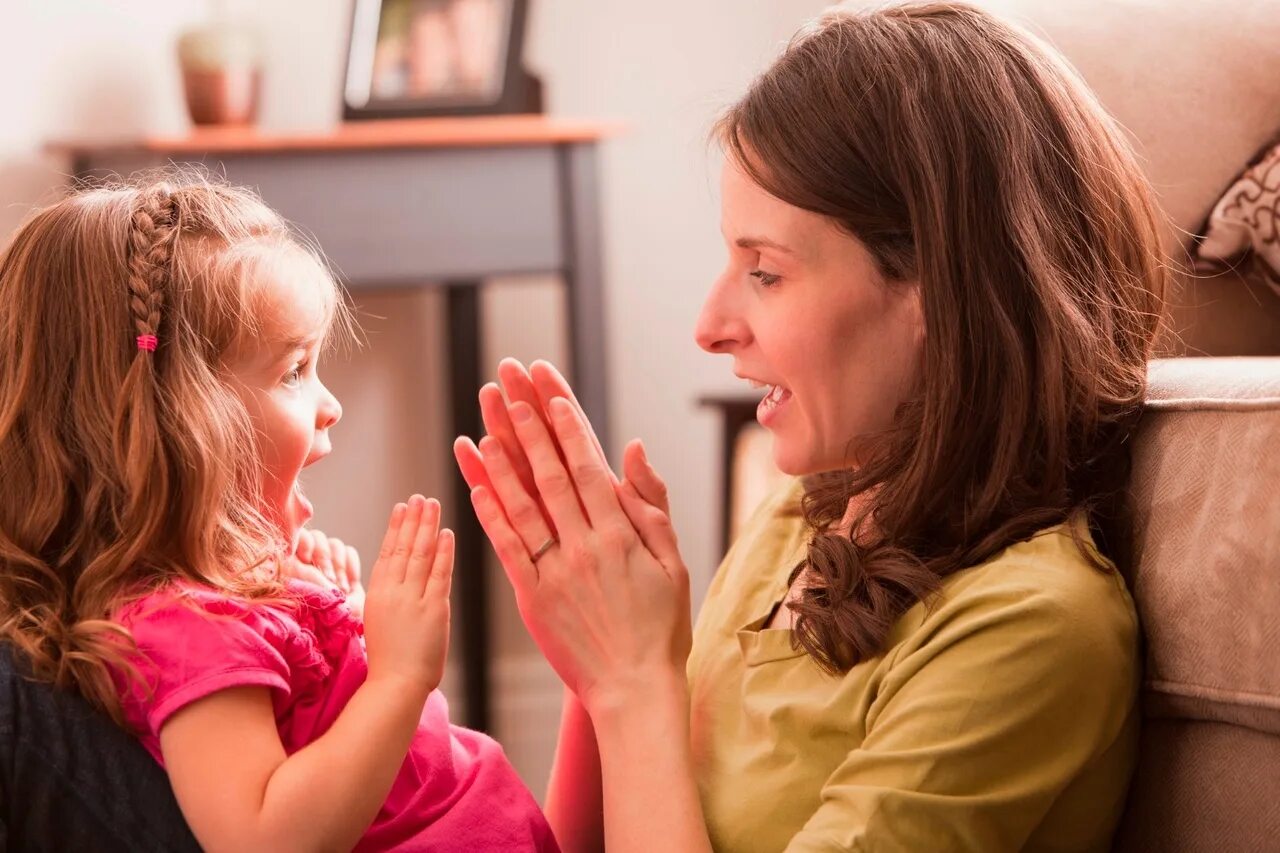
[(294, 376), (765, 279)]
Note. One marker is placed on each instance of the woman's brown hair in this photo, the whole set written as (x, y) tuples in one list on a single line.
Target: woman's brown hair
[(972, 161), (124, 468)]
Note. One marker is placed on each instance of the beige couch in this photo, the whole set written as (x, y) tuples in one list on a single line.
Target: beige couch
[(1206, 498)]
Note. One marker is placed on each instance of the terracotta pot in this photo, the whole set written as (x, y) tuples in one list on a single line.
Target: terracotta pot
[(223, 97), (221, 74)]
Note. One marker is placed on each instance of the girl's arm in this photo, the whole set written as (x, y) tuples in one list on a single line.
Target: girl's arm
[(239, 790), (236, 785)]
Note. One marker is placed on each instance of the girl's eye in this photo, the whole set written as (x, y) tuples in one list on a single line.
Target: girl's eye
[(765, 279), (294, 376)]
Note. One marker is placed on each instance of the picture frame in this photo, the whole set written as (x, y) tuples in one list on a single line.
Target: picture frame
[(419, 58)]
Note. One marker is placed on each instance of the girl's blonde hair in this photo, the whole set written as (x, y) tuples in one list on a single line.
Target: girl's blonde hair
[(123, 468)]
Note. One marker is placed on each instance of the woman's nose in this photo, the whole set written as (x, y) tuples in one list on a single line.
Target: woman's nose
[(721, 327)]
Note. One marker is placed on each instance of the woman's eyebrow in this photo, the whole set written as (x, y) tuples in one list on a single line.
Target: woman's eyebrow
[(762, 243)]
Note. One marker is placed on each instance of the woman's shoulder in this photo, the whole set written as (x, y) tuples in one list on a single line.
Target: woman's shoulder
[(1057, 568), (1052, 592)]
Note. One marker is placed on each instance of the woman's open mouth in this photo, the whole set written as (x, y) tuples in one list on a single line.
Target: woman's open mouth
[(771, 406)]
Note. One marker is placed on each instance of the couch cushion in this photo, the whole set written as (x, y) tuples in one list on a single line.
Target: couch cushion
[(1206, 581), (1207, 552)]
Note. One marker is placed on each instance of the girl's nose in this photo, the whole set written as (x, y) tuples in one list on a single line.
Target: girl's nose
[(329, 411)]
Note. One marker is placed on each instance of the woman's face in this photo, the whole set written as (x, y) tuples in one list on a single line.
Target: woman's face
[(803, 310)]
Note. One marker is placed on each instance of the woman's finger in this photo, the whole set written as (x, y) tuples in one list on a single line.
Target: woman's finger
[(470, 462), (422, 552), (637, 471), (506, 542), (385, 568), (497, 423), (550, 383), (590, 475), (653, 525), (517, 504), (554, 483)]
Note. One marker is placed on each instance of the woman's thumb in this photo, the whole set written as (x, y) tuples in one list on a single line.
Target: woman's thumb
[(640, 474)]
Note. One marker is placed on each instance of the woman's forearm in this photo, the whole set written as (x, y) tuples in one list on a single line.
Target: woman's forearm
[(575, 804), (647, 770)]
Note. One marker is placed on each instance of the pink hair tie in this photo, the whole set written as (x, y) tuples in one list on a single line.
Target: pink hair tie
[(147, 342)]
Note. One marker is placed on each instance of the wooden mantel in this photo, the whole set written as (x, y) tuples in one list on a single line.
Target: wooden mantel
[(482, 131)]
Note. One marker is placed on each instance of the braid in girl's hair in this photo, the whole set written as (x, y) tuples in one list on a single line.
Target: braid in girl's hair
[(140, 451)]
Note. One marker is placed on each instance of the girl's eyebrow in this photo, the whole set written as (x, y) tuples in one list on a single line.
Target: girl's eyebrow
[(294, 344)]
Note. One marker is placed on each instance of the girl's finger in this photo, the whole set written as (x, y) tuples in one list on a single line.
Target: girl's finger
[(555, 485), (637, 471), (338, 559), (590, 475), (306, 547), (517, 504), (383, 567), (506, 542), (423, 550), (441, 579), (321, 557), (353, 568), (550, 383), (404, 540), (310, 574)]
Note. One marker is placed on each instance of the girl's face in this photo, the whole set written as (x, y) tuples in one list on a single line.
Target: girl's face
[(276, 376), (804, 312)]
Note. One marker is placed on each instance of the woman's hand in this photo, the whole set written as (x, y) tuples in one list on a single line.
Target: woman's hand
[(407, 606), (608, 604), (328, 562)]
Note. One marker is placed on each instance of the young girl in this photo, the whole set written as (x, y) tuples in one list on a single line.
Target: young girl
[(159, 397)]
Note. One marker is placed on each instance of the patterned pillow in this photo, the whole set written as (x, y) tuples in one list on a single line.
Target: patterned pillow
[(1243, 231)]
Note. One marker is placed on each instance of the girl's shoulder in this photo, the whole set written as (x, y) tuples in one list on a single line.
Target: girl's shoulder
[(188, 610)]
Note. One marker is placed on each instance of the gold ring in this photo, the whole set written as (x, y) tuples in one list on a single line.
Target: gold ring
[(542, 549)]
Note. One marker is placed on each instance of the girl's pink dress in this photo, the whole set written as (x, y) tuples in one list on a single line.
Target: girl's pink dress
[(455, 791)]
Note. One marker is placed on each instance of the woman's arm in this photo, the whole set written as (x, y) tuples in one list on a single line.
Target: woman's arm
[(647, 770), (575, 805), (609, 608)]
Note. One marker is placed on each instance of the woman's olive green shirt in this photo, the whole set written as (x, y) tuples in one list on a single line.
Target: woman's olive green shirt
[(1003, 717)]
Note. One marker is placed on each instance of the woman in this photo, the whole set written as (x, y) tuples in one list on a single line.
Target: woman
[(945, 266)]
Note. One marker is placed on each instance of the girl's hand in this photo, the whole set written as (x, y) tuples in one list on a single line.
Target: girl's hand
[(407, 605), (608, 604), (328, 562)]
